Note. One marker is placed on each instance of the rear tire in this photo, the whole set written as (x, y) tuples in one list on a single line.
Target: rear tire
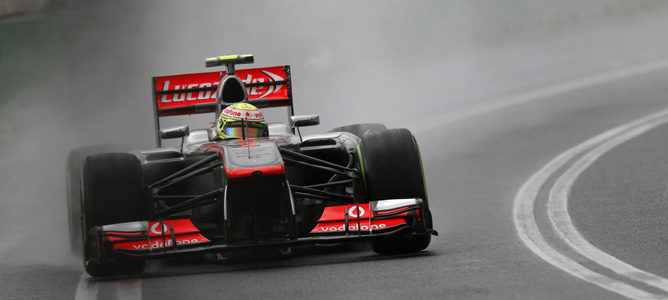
[(360, 129), (75, 162), (113, 192), (392, 169)]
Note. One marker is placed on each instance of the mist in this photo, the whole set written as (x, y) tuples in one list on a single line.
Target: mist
[(71, 78)]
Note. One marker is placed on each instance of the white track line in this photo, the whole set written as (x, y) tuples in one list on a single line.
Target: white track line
[(528, 232), (124, 289), (527, 229), (86, 290), (561, 221), (541, 93)]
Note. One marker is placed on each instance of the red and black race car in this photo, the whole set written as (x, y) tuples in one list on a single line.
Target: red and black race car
[(248, 195)]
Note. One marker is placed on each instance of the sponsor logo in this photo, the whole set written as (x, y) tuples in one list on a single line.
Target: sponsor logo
[(155, 228), (169, 243), (351, 227), (236, 114), (253, 92), (180, 97), (356, 211), (260, 90)]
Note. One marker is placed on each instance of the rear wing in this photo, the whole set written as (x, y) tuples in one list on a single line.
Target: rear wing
[(196, 93)]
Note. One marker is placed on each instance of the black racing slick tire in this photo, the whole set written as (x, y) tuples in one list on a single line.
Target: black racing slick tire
[(392, 169), (113, 192), (75, 162), (360, 129)]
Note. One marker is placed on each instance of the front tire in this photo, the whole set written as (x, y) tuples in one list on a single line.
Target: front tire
[(392, 169), (75, 161), (113, 192)]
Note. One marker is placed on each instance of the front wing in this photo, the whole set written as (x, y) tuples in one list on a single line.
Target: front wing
[(164, 238)]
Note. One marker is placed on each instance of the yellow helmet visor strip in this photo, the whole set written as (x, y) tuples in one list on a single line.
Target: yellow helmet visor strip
[(239, 129)]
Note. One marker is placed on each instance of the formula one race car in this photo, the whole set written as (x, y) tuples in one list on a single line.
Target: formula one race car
[(244, 195)]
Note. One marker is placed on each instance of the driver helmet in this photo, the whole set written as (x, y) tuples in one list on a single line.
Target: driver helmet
[(241, 120)]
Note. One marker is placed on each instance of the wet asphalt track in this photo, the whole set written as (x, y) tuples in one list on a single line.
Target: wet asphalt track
[(475, 163), (472, 185)]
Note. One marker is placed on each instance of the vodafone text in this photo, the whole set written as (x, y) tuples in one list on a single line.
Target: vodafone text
[(352, 227), (159, 244)]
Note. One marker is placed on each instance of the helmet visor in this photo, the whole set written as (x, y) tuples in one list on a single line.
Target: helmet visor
[(249, 130)]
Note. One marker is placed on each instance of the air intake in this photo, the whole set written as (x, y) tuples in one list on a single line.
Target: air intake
[(232, 90)]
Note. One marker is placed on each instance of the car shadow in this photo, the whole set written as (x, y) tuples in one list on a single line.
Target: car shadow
[(321, 255)]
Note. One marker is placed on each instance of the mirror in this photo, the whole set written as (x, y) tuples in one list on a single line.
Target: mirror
[(213, 134), (304, 120), (175, 132)]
